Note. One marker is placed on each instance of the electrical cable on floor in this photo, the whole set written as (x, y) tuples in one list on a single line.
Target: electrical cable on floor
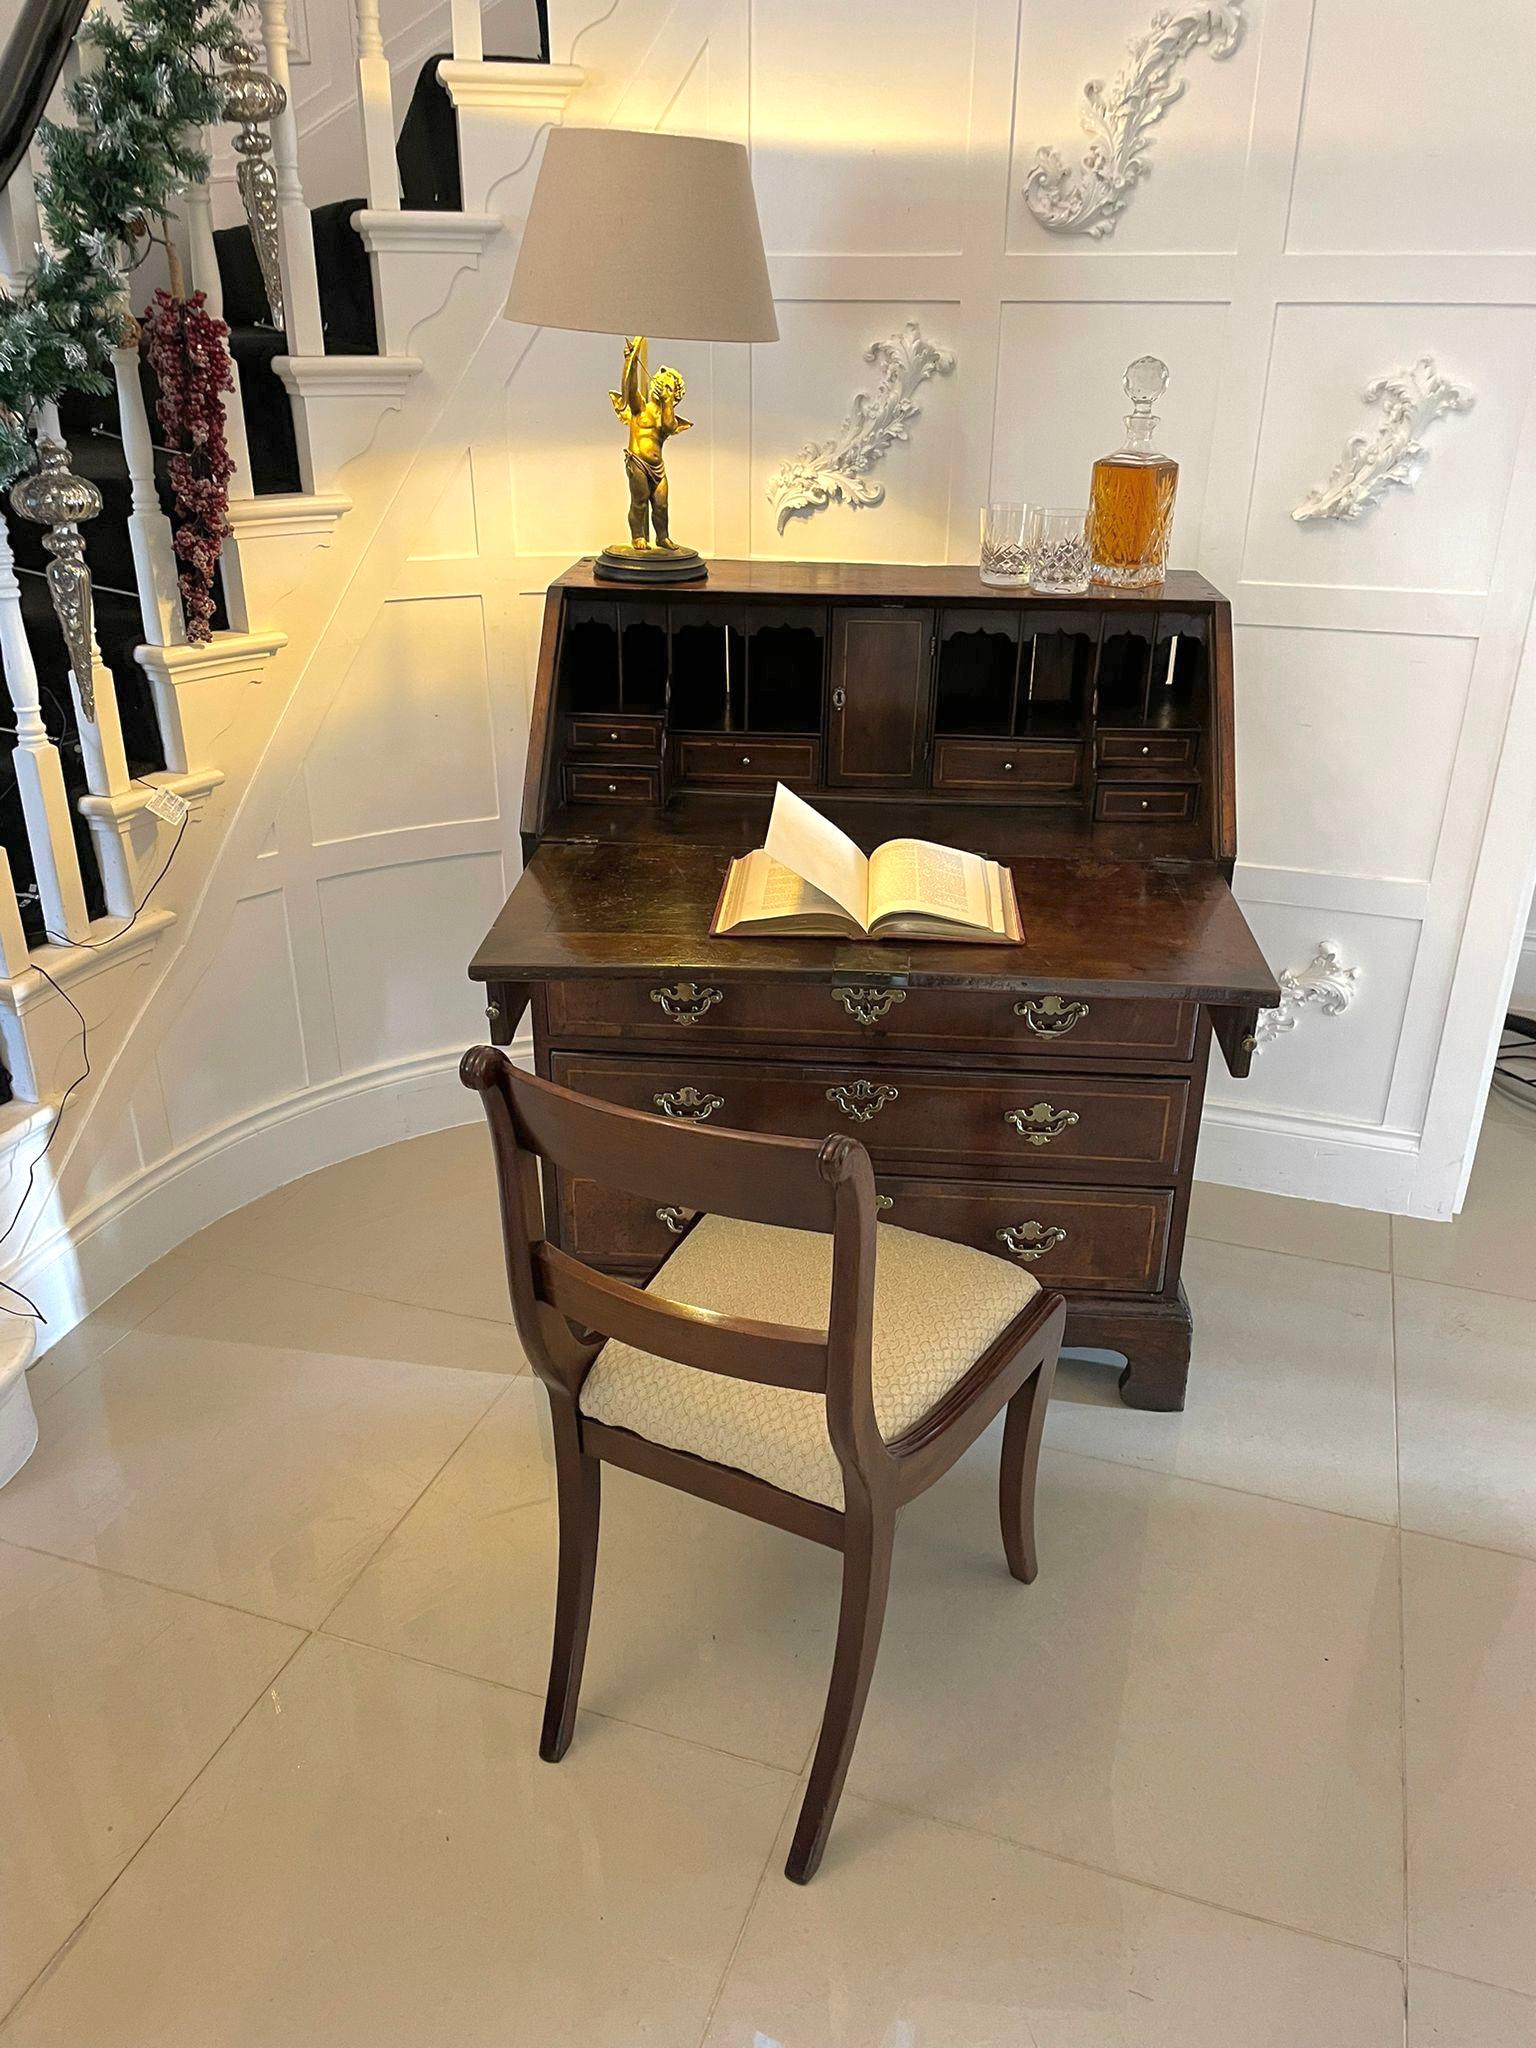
[(1514, 1065), (31, 1310)]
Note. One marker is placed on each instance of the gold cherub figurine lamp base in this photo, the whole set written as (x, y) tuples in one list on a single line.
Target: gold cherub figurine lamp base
[(648, 407)]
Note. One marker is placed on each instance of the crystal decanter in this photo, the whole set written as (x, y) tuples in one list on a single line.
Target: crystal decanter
[(1131, 503)]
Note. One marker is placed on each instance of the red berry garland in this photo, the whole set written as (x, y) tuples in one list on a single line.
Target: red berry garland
[(187, 351)]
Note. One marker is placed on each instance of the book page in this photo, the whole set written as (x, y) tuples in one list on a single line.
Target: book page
[(907, 875), (765, 888), (802, 840)]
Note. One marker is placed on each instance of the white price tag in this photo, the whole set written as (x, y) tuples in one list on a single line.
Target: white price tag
[(167, 805)]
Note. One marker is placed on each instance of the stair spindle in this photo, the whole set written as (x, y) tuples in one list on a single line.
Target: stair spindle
[(149, 531), (14, 953), (53, 497), (296, 236), (468, 31), (376, 104), (21, 227), (39, 771), (203, 262)]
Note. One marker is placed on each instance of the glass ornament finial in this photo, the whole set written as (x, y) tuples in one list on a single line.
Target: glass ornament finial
[(1145, 382)]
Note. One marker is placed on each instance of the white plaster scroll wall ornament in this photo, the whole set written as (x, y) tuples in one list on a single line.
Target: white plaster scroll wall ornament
[(1325, 984), (839, 469), (1410, 402), (1118, 118)]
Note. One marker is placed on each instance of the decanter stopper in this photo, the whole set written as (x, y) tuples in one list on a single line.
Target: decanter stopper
[(1145, 382)]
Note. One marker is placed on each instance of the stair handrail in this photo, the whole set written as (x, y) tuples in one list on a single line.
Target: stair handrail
[(29, 69)]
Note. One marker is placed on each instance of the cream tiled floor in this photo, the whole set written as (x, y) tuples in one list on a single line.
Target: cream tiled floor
[(1250, 1766)]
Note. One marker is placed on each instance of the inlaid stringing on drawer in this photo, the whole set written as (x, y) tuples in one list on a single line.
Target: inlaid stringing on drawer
[(1024, 1123), (695, 1009)]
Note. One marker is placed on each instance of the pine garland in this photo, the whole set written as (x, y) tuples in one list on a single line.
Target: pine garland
[(129, 155), (186, 350)]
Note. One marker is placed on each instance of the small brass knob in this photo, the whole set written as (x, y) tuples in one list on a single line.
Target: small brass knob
[(493, 1011), (1250, 1043), (613, 789), (1007, 767), (614, 736), (1146, 750), (746, 760)]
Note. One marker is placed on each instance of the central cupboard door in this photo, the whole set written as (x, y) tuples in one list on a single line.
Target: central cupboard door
[(881, 659)]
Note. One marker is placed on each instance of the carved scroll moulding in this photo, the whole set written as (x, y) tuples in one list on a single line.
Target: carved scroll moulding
[(1325, 984), (1410, 400), (838, 470), (1118, 118)]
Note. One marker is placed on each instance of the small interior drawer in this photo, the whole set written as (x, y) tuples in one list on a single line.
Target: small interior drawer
[(757, 762), (1005, 764), (613, 785), (1138, 803), (614, 736), (1127, 755)]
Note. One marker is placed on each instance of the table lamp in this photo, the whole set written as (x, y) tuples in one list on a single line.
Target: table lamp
[(634, 234)]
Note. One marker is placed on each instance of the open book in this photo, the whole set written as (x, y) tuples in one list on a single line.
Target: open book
[(810, 880)]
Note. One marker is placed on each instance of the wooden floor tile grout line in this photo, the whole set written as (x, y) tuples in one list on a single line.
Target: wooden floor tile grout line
[(1278, 1500), (746, 1919), (115, 1571), (86, 1918), (1144, 1884), (422, 1491), (528, 1692)]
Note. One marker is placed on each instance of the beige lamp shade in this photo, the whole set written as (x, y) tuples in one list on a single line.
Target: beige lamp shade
[(633, 233)]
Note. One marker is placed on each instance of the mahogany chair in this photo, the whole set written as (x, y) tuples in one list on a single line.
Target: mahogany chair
[(790, 1359)]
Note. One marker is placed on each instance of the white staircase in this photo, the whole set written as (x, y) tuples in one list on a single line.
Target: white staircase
[(300, 572)]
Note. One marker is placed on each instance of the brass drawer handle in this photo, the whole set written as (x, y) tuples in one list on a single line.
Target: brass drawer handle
[(685, 1002), (1051, 1016), (884, 1202), (1041, 1122), (674, 1218), (1031, 1241), (688, 1104), (868, 1005), (862, 1099)]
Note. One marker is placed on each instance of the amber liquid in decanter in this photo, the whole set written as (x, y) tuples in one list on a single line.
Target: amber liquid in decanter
[(1130, 513)]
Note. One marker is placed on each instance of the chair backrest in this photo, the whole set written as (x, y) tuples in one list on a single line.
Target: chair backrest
[(795, 1182)]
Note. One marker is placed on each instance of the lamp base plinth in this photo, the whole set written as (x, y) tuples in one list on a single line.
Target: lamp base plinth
[(650, 565)]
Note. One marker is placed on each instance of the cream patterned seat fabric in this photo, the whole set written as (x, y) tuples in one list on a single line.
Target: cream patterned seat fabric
[(937, 1308)]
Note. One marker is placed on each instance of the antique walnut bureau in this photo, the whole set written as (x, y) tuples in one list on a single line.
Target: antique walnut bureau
[(1041, 1102)]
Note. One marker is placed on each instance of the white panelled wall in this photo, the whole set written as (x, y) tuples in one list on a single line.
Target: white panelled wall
[(1300, 233)]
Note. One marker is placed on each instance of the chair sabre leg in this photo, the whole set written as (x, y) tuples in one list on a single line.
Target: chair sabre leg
[(866, 1581), (1022, 1431), (578, 1483)]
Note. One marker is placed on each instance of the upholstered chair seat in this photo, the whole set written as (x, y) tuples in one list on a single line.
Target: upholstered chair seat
[(937, 1308)]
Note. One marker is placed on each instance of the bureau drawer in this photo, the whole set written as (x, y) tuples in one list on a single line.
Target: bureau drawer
[(613, 785), (1129, 756), (614, 736), (713, 1009), (1028, 1123), (752, 763), (1138, 803), (1004, 764), (1084, 1240)]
